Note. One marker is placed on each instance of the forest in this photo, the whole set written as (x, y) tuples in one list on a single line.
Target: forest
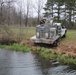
[(16, 13), (20, 13), (63, 11)]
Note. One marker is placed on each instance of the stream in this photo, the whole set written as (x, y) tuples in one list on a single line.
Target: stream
[(19, 63)]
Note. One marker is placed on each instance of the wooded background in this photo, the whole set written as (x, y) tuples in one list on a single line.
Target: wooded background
[(15, 13), (63, 11)]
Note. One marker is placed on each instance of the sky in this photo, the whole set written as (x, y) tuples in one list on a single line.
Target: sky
[(33, 6)]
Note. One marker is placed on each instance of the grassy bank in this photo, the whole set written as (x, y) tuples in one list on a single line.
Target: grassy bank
[(16, 47), (49, 54), (68, 44), (66, 52), (18, 35)]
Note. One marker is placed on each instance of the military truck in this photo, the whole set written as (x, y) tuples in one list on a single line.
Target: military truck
[(49, 32)]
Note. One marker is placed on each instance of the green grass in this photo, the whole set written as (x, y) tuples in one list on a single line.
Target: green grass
[(18, 32), (46, 53), (49, 54), (66, 60), (16, 47), (71, 36), (23, 30), (23, 33)]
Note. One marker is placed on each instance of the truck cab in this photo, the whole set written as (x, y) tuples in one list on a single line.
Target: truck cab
[(49, 32)]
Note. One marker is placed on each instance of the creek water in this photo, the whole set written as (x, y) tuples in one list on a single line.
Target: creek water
[(19, 63)]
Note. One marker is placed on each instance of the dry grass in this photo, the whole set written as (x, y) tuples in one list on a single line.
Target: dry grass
[(17, 34), (68, 45), (69, 49)]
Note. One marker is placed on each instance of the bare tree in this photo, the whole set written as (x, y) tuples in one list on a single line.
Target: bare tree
[(9, 4), (27, 11), (38, 8), (20, 13), (1, 11)]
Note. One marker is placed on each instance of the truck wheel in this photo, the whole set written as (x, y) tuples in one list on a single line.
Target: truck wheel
[(56, 43), (64, 35)]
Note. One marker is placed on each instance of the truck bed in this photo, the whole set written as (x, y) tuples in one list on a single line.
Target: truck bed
[(43, 40)]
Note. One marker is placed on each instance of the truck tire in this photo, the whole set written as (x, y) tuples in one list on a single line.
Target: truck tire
[(64, 35), (56, 43)]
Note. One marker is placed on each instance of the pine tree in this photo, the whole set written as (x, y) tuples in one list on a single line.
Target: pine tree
[(59, 3), (65, 8), (49, 8), (70, 4)]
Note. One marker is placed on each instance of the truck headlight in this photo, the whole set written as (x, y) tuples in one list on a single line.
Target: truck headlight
[(46, 35), (37, 34)]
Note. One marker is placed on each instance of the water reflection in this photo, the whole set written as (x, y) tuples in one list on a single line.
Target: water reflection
[(18, 63)]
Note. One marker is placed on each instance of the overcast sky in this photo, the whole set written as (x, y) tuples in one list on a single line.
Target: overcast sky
[(33, 6)]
